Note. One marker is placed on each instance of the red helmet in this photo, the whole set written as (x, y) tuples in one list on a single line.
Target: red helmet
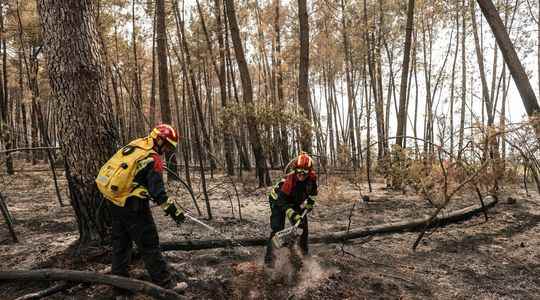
[(303, 162), (165, 132)]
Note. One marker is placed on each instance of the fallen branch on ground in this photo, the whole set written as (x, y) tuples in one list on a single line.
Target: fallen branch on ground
[(48, 291), (447, 196), (133, 285), (340, 236), (64, 285)]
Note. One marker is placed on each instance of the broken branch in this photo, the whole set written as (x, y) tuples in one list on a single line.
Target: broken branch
[(133, 285)]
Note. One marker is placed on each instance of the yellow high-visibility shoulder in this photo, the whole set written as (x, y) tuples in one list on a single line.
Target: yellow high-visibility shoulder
[(143, 163), (272, 193), (143, 143)]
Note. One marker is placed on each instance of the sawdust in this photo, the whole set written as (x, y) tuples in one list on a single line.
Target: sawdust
[(312, 275), (282, 264)]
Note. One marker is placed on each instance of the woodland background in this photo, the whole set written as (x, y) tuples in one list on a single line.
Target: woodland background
[(435, 98)]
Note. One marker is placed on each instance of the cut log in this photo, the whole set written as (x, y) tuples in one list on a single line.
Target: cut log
[(133, 285), (341, 236)]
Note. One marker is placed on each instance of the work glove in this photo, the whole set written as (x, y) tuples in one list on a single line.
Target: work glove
[(296, 217), (170, 209), (309, 205)]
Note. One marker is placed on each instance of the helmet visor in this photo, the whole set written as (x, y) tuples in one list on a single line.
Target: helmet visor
[(172, 143), (301, 171)]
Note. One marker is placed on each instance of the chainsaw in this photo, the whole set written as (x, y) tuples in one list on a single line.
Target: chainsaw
[(289, 235)]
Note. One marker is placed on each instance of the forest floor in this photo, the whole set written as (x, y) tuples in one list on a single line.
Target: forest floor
[(497, 259)]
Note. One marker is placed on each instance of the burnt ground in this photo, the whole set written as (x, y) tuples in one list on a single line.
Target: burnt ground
[(497, 259)]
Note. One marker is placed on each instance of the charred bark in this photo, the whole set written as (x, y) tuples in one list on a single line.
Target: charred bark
[(89, 136)]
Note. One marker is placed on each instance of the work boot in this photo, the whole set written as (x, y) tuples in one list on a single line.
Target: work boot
[(296, 257), (304, 250), (269, 261), (269, 257)]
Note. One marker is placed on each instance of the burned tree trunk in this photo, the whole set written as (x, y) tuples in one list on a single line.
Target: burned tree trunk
[(85, 120)]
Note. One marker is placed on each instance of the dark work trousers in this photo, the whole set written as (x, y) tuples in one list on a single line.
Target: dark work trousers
[(277, 223), (134, 223)]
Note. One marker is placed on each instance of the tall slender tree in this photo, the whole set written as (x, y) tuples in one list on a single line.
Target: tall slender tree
[(348, 77), (137, 84), (452, 83), (163, 77), (284, 143), (227, 139), (5, 134), (480, 57), (260, 159), (463, 83), (402, 113), (303, 75)]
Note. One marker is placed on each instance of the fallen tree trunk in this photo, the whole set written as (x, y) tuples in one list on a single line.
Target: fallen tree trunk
[(410, 225), (341, 236), (133, 285)]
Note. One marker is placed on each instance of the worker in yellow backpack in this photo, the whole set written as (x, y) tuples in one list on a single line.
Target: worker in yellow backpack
[(128, 180)]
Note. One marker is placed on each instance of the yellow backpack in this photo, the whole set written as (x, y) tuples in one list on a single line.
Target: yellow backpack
[(115, 178)]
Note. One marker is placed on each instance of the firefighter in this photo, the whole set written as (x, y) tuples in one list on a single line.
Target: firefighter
[(131, 178), (294, 193)]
